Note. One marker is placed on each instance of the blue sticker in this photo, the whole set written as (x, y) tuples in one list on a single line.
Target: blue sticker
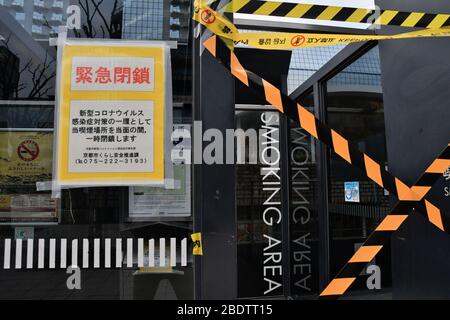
[(351, 190)]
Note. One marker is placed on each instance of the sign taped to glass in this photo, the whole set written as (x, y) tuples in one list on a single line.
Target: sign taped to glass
[(26, 158), (148, 202), (113, 113)]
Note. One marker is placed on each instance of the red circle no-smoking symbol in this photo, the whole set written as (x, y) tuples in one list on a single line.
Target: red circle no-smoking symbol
[(28, 150), (298, 40), (208, 16)]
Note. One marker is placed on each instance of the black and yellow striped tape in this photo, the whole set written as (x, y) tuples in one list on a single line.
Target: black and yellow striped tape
[(410, 198), (390, 224), (197, 249), (340, 14), (224, 28)]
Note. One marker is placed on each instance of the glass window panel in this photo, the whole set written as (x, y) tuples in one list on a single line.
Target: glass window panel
[(27, 211), (357, 205), (258, 201), (303, 215), (305, 62)]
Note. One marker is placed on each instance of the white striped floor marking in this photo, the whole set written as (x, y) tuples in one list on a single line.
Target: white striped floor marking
[(7, 256), (74, 262), (173, 252), (85, 253), (52, 256), (140, 252), (96, 253), (184, 252), (18, 253), (108, 253), (96, 247), (41, 253), (162, 252), (30, 249), (129, 253), (118, 253), (151, 253), (63, 262)]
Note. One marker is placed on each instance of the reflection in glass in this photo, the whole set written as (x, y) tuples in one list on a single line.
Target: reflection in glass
[(27, 94), (356, 204), (258, 200), (303, 215), (307, 61)]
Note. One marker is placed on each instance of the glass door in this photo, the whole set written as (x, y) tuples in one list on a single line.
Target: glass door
[(356, 205)]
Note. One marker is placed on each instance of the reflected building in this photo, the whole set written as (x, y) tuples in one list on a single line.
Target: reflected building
[(9, 78), (40, 18), (156, 20), (307, 61)]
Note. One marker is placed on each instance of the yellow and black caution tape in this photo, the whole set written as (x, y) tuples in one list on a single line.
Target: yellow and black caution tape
[(390, 224), (273, 41), (197, 249), (225, 29), (338, 14), (415, 197)]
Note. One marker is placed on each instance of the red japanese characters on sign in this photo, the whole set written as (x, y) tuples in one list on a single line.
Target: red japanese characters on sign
[(103, 75), (112, 74)]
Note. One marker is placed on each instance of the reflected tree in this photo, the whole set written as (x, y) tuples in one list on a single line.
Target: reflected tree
[(41, 75), (32, 79), (96, 17), (9, 77)]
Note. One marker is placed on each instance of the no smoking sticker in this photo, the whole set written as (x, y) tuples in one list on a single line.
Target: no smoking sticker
[(208, 16), (28, 150), (298, 40)]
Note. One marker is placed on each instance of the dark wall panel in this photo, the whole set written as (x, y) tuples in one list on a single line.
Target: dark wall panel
[(214, 185), (272, 65), (416, 86)]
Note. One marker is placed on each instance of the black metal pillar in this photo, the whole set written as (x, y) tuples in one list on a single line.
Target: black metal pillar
[(214, 185)]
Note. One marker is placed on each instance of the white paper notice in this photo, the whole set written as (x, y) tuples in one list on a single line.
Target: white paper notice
[(111, 136)]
